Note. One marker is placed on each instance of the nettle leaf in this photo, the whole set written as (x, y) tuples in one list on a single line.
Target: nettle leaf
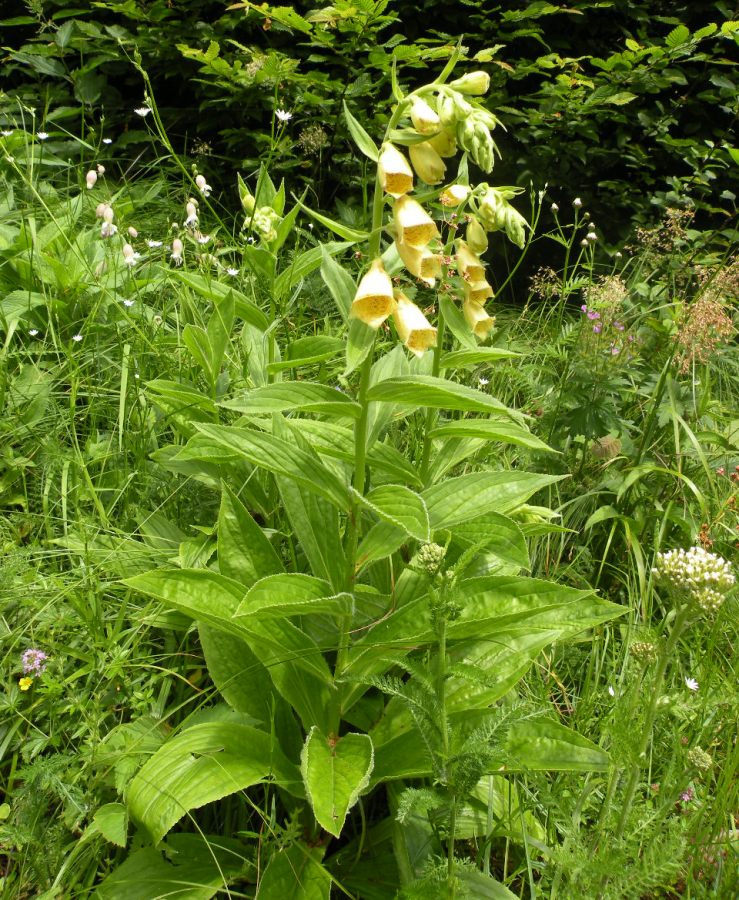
[(335, 772), (112, 822), (400, 507), (296, 396), (202, 764)]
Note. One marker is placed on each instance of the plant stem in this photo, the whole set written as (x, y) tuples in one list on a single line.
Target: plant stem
[(430, 412)]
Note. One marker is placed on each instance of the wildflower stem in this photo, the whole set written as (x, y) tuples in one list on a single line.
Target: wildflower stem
[(430, 412)]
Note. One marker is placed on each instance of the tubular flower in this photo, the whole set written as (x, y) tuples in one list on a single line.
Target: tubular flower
[(454, 194), (445, 143), (477, 239), (477, 291), (176, 255), (429, 166), (477, 318), (374, 300), (425, 119), (469, 263), (420, 262), (413, 328), (396, 175), (413, 225)]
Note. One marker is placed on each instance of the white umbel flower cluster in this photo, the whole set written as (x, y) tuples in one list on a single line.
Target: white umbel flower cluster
[(695, 575)]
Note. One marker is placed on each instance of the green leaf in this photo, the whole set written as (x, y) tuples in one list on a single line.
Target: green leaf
[(361, 138), (340, 284), (456, 322), (349, 234), (504, 543), (491, 430), (544, 745), (188, 867), (400, 507), (427, 390), (308, 351), (468, 496), (458, 359), (244, 552), (359, 343), (241, 679), (282, 458), (381, 541), (482, 886), (677, 36), (112, 822), (296, 396), (202, 764), (621, 98), (305, 263), (335, 772), (292, 594), (295, 873), (215, 291)]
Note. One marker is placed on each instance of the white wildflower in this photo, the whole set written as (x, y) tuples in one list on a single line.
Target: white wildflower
[(282, 115)]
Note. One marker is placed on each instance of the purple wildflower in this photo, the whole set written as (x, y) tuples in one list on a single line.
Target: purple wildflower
[(33, 661), (614, 350), (596, 329), (618, 326), (593, 314), (584, 307), (687, 795)]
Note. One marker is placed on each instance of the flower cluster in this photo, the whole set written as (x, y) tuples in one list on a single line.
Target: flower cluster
[(696, 576), (442, 117), (700, 759), (262, 219), (34, 664)]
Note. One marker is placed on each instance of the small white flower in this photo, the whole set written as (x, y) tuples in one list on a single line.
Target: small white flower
[(231, 271), (128, 303), (107, 140), (584, 243), (153, 244), (91, 179), (618, 254), (611, 692), (42, 135), (203, 238), (483, 381), (6, 133), (33, 332), (554, 208), (77, 337), (591, 236), (203, 185), (130, 257), (691, 684), (577, 203), (142, 111), (108, 229), (100, 169), (192, 214), (282, 115), (132, 232), (177, 248)]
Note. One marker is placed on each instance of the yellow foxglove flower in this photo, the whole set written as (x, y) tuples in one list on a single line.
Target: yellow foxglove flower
[(455, 194), (469, 263), (477, 291), (478, 319), (445, 143), (396, 175), (413, 225), (429, 166), (420, 262), (374, 300), (413, 328), (476, 83), (476, 236), (425, 119)]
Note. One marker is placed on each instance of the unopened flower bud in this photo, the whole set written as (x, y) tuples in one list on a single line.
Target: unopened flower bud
[(132, 232), (476, 236), (91, 179), (475, 83), (577, 203), (430, 558), (445, 143), (429, 166), (425, 119)]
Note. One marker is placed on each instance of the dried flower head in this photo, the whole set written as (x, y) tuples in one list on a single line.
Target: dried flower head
[(312, 139), (705, 326)]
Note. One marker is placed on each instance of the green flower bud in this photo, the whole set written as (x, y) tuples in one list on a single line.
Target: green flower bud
[(475, 83)]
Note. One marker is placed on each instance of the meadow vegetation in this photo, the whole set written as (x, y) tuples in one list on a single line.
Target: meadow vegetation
[(369, 451)]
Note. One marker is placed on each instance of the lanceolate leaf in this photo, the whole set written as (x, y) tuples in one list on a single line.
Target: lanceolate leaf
[(244, 552), (400, 507), (458, 359), (293, 594), (213, 290), (282, 458), (468, 496), (335, 771), (491, 430), (299, 396), (202, 764), (426, 390), (361, 138)]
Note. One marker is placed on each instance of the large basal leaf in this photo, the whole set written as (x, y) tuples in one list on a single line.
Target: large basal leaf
[(202, 764), (295, 873), (293, 594), (281, 457), (244, 552), (401, 507), (469, 496), (296, 396), (335, 772), (427, 390), (186, 867)]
